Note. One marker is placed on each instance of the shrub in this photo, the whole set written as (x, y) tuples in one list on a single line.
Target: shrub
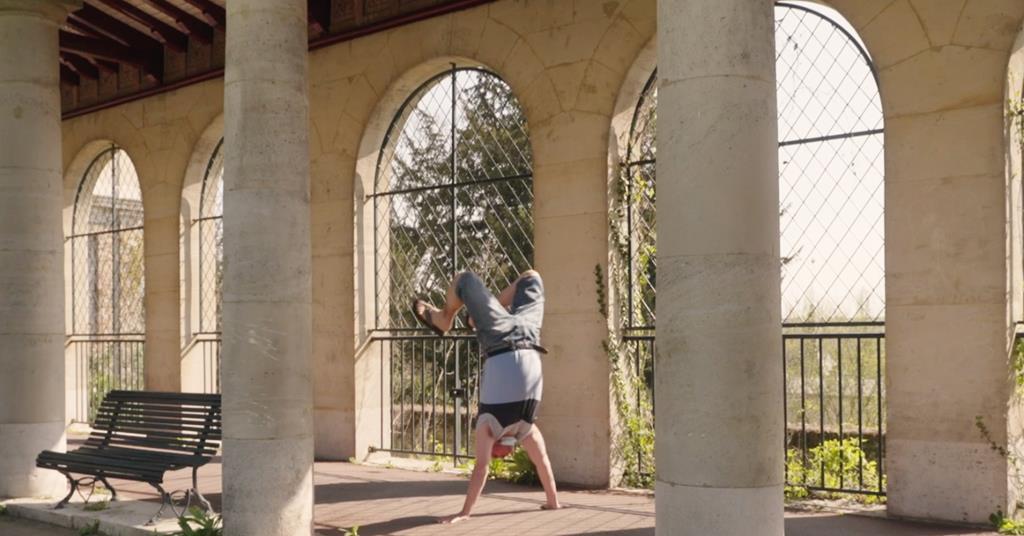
[(92, 529), (842, 463), (518, 469), (206, 524), (1006, 525)]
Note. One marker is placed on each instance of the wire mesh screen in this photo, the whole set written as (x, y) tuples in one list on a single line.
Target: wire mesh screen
[(831, 176), (211, 243), (108, 282), (830, 170), (453, 192), (108, 321)]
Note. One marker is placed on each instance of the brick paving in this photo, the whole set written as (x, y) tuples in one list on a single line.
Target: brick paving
[(401, 502)]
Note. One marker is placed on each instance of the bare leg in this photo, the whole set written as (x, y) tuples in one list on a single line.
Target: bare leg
[(537, 450), (484, 442), (444, 317)]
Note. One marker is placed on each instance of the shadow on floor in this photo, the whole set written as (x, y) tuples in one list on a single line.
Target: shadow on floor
[(839, 525), (404, 523), (852, 525), (647, 531)]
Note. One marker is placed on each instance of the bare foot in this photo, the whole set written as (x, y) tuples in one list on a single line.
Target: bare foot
[(424, 312), (451, 520), (549, 506)]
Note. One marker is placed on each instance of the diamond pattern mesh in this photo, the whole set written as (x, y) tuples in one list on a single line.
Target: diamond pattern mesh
[(453, 192), (107, 248), (211, 243), (831, 176), (831, 172)]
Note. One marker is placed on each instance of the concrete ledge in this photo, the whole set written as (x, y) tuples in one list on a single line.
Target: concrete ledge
[(122, 518)]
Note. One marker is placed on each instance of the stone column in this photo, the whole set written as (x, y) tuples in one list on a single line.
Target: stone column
[(719, 380), (31, 246), (266, 381)]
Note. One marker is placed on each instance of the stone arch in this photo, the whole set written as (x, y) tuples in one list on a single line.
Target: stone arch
[(366, 169), (633, 350), (104, 276), (200, 351)]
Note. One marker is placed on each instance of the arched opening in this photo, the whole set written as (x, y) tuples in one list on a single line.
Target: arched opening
[(831, 180), (203, 258), (831, 191), (108, 321), (452, 191)]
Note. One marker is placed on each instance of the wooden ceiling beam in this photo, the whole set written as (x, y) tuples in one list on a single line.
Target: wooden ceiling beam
[(319, 13), (197, 28), (80, 26), (100, 49), (212, 11), (106, 65), (81, 65), (69, 76), (117, 29), (173, 38)]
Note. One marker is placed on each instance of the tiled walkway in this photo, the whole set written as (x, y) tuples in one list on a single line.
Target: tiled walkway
[(394, 501)]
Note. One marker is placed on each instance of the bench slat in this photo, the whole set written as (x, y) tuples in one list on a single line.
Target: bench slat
[(181, 435), (166, 445), (139, 435), (156, 424)]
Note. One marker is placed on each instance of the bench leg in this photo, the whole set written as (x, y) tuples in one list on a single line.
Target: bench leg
[(195, 491), (74, 487), (165, 499), (113, 492)]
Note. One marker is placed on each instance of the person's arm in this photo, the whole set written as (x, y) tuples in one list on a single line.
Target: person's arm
[(484, 442)]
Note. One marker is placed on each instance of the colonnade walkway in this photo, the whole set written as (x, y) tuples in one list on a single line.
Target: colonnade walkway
[(383, 500)]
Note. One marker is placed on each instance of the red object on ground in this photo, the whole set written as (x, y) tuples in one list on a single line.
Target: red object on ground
[(500, 451)]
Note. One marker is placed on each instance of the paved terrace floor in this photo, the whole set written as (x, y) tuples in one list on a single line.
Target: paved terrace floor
[(383, 500)]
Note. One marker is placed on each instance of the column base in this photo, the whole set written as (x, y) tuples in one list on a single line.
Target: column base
[(19, 446), (971, 485), (699, 511), (268, 486)]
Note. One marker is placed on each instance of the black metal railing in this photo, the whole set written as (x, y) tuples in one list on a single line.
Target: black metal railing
[(833, 376), (429, 391), (639, 348), (102, 364)]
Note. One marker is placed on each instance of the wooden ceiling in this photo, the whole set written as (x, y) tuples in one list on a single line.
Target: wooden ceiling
[(114, 51)]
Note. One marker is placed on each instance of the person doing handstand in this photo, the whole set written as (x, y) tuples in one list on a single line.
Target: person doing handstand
[(508, 330)]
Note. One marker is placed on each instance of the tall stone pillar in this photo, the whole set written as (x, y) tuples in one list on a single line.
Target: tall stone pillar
[(31, 246), (719, 381), (266, 379)]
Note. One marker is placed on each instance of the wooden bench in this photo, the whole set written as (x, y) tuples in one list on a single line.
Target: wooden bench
[(140, 435)]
